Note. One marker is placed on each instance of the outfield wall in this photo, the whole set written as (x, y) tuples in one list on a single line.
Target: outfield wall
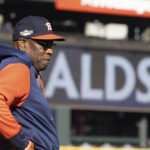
[(97, 148)]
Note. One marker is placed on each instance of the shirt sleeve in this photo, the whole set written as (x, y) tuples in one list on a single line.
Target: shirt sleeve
[(15, 83), (14, 90)]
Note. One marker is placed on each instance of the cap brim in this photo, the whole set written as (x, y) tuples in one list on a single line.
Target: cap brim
[(49, 37)]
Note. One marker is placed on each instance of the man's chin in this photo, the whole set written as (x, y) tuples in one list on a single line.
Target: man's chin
[(43, 68)]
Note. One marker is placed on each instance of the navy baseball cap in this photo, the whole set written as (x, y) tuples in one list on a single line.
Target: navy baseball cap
[(35, 27)]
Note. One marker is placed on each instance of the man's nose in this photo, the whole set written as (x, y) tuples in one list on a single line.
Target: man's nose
[(49, 51)]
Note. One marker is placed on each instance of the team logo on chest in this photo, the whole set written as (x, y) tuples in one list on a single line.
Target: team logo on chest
[(48, 26)]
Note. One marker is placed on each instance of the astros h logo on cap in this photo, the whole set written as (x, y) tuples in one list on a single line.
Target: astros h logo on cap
[(49, 27)]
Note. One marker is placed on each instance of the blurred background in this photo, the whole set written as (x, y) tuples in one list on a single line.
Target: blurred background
[(98, 82)]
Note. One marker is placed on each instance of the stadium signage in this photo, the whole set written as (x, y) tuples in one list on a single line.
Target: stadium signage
[(100, 78), (139, 8)]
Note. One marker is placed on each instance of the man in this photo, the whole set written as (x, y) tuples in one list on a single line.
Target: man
[(26, 122)]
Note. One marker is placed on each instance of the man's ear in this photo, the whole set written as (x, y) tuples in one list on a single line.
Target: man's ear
[(21, 44)]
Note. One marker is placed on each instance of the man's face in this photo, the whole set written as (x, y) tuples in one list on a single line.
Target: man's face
[(40, 52)]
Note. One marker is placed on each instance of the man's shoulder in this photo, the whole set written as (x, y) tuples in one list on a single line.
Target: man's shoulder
[(13, 60), (12, 55)]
